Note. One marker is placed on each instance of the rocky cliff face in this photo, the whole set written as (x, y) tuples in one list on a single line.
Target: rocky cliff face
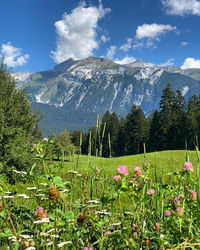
[(94, 85)]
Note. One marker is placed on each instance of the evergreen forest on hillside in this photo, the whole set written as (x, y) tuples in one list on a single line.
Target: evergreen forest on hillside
[(176, 125)]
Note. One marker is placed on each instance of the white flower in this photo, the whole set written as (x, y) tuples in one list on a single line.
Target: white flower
[(39, 190), (23, 195), (64, 243), (8, 192), (8, 196), (25, 236), (51, 230), (50, 243), (64, 191), (13, 238), (30, 248), (43, 220), (39, 195), (31, 188), (44, 184), (54, 236), (44, 234), (162, 236), (72, 172), (94, 201), (116, 224), (129, 213)]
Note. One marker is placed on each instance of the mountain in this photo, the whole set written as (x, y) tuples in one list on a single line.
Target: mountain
[(72, 93)]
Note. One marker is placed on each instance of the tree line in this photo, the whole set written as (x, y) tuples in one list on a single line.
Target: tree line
[(176, 125)]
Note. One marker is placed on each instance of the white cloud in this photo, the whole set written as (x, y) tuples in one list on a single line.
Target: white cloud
[(147, 35), (128, 45), (191, 63), (126, 60), (153, 30), (182, 7), (170, 62), (13, 56), (77, 32), (111, 51), (184, 43), (104, 38)]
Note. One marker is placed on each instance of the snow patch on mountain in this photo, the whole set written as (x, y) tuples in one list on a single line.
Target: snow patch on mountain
[(139, 100), (155, 76), (39, 96), (185, 90), (127, 96), (115, 95), (21, 75), (80, 99)]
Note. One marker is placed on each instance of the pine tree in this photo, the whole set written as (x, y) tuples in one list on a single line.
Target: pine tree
[(136, 130), (193, 114), (154, 132)]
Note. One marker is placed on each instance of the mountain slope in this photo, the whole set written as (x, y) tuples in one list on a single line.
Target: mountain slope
[(93, 85)]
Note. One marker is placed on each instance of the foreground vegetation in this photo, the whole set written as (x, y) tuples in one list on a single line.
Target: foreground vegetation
[(88, 202)]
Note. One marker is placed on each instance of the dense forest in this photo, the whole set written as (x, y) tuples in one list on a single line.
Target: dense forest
[(176, 125)]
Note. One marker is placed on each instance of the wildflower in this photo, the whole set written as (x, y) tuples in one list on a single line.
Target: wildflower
[(64, 191), (134, 226), (94, 201), (108, 233), (188, 166), (25, 236), (40, 213), (98, 170), (168, 213), (131, 240), (116, 178), (151, 192), (181, 196), (179, 211), (193, 195), (44, 184), (116, 224), (72, 172), (122, 170), (64, 243), (162, 236), (44, 139), (23, 195), (138, 171), (81, 218), (31, 188), (157, 226), (8, 197), (43, 220), (186, 188), (135, 235), (54, 194), (147, 242), (175, 201)]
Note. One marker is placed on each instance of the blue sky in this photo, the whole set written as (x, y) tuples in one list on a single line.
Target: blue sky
[(36, 35)]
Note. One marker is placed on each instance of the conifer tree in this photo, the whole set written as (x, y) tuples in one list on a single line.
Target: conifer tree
[(136, 130)]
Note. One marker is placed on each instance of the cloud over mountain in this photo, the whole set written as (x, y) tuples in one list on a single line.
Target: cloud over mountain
[(77, 32)]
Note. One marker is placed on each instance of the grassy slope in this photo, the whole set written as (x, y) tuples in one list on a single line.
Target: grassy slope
[(165, 161)]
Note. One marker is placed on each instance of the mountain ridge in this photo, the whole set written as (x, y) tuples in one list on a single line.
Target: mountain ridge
[(94, 85)]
